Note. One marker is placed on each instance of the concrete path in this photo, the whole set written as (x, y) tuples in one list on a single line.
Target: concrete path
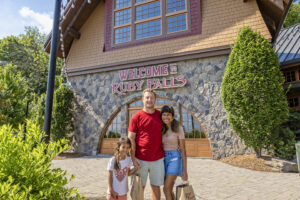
[(211, 180)]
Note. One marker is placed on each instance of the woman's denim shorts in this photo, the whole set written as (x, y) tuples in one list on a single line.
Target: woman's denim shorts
[(173, 163)]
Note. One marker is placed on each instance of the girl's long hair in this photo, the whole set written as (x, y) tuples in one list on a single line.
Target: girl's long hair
[(122, 140), (174, 124)]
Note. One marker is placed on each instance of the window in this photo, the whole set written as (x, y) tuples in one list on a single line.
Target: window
[(176, 23), (192, 128), (114, 129), (293, 102), (290, 76), (139, 19), (122, 3), (191, 125)]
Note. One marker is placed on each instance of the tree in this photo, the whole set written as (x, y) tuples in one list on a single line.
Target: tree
[(252, 91), (26, 53), (293, 16), (12, 96)]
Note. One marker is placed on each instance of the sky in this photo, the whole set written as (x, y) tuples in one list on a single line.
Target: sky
[(16, 14)]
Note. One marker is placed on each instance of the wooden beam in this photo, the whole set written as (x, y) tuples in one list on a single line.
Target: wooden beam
[(73, 32), (278, 4)]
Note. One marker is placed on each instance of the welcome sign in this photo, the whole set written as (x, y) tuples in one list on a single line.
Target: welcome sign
[(154, 77)]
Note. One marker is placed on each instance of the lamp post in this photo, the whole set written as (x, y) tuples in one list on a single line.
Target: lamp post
[(51, 72)]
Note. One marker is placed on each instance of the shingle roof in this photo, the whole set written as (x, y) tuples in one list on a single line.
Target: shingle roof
[(287, 45)]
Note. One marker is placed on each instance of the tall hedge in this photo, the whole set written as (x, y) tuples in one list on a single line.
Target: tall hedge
[(252, 91), (62, 125)]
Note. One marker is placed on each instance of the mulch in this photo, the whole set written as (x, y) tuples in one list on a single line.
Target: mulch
[(250, 162)]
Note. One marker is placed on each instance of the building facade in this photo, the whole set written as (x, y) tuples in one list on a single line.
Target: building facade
[(115, 49)]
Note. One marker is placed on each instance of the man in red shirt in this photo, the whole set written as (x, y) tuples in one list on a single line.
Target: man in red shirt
[(147, 153)]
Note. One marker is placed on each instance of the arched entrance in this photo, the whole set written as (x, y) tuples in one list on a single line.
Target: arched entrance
[(197, 143), (112, 134)]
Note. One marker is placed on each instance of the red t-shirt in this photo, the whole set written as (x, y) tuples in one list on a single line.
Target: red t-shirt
[(148, 135)]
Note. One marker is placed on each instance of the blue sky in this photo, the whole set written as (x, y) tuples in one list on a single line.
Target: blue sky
[(16, 14)]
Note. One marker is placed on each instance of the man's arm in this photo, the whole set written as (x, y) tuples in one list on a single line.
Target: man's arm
[(131, 136)]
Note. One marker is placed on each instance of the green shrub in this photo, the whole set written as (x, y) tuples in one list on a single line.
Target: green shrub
[(195, 134), (252, 91), (284, 141), (112, 134), (62, 116), (37, 109), (284, 145), (62, 124), (13, 90), (25, 162)]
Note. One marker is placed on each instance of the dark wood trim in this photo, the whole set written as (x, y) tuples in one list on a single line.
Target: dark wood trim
[(104, 130), (294, 65), (74, 33), (163, 18), (194, 27), (204, 53), (285, 12), (132, 29)]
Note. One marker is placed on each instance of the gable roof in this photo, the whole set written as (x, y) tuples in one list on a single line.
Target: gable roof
[(273, 12), (287, 45), (74, 16)]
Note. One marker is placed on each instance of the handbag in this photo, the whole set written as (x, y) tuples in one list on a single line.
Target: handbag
[(136, 191), (185, 192)]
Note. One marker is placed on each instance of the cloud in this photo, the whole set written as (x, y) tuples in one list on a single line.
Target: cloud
[(31, 18)]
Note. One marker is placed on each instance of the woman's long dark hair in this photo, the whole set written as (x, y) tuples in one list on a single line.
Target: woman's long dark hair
[(174, 124), (122, 140)]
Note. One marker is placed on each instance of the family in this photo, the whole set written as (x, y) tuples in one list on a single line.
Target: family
[(156, 145)]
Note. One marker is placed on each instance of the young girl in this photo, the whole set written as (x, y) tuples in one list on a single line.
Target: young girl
[(118, 170), (174, 147)]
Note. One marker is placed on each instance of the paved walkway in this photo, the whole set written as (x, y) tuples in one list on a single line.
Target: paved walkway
[(211, 180)]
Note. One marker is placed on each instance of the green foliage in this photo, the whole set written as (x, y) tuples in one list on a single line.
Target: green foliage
[(293, 16), (37, 109), (12, 97), (62, 116), (112, 134), (284, 147), (195, 134), (252, 91), (26, 53), (24, 58), (25, 162)]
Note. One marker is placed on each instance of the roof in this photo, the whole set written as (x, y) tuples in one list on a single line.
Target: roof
[(74, 16), (287, 45), (76, 12)]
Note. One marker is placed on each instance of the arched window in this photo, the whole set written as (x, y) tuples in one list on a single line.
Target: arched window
[(191, 126), (114, 129)]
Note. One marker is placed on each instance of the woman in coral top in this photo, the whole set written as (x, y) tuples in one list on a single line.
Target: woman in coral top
[(174, 147)]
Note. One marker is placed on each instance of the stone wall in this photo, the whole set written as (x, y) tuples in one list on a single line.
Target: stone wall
[(96, 105)]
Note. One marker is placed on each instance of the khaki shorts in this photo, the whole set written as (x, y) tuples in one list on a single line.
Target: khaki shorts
[(156, 172)]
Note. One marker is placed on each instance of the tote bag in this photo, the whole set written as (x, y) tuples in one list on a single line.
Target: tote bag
[(185, 192), (136, 191)]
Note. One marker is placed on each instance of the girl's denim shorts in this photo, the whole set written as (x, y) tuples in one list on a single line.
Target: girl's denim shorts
[(173, 163)]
